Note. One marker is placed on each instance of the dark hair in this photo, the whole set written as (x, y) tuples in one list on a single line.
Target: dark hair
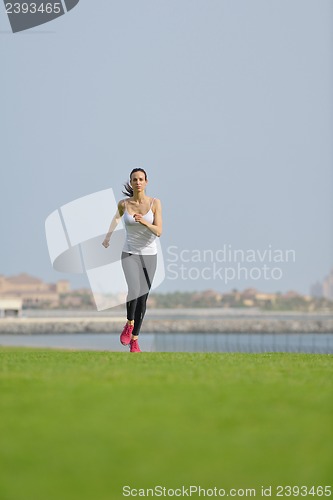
[(128, 187)]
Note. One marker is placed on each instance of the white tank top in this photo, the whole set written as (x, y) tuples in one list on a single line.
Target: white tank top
[(139, 239)]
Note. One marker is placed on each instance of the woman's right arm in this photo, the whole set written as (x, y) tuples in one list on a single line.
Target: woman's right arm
[(114, 223)]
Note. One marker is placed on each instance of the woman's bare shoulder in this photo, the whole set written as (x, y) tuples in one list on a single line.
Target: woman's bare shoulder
[(122, 206), (156, 206), (157, 202)]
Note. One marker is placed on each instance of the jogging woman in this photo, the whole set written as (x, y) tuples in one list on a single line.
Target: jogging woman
[(143, 223)]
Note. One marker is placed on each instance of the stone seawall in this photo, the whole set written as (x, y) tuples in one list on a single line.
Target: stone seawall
[(31, 326)]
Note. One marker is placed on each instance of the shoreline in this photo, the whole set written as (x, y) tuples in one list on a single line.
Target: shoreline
[(30, 326)]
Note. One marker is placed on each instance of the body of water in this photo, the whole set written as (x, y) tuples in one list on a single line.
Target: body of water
[(182, 342)]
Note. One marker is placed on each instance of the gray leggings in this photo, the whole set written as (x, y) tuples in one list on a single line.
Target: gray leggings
[(139, 272)]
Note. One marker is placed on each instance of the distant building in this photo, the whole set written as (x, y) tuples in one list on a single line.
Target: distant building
[(248, 302), (32, 291), (265, 298), (10, 306), (316, 290), (291, 294), (328, 286), (212, 294), (249, 293)]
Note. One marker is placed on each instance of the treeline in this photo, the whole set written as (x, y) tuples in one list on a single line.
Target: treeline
[(235, 299), (290, 301)]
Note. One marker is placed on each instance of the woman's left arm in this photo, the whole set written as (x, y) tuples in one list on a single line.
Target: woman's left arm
[(156, 227)]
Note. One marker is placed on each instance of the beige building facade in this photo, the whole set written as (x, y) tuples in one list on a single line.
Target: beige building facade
[(31, 290)]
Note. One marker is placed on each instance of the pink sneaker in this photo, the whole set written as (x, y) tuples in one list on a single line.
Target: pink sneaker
[(126, 334), (134, 346)]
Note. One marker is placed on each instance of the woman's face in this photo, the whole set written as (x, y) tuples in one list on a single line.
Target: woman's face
[(138, 181)]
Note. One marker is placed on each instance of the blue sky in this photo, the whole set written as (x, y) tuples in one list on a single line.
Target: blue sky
[(226, 104)]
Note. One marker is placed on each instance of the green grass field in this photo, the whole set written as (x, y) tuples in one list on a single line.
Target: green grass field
[(81, 425)]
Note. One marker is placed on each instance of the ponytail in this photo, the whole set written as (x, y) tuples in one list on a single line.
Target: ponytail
[(129, 190)]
